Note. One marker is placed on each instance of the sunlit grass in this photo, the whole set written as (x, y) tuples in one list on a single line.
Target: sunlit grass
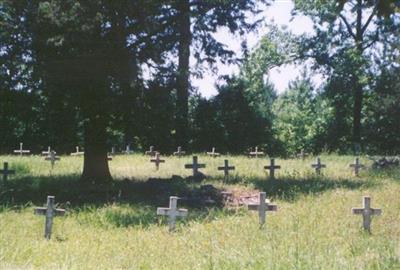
[(313, 229)]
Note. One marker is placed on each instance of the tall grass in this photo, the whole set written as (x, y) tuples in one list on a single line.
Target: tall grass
[(313, 229)]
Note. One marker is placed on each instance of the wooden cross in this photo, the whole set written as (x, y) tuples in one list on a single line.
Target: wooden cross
[(318, 166), (272, 167), (157, 161), (213, 153), (226, 168), (357, 166), (179, 152), (172, 212), (151, 152), (52, 158), (195, 166), (20, 151), (256, 153), (5, 171), (77, 153), (262, 207), (50, 212), (366, 212), (46, 153)]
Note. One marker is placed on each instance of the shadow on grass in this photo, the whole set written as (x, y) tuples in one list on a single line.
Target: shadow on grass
[(290, 189), (123, 203)]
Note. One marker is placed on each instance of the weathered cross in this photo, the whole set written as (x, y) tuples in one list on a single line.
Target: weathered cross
[(50, 212), (318, 166), (5, 171), (179, 152), (272, 167), (195, 166), (213, 153), (366, 212), (157, 160), (172, 212), (262, 207), (46, 153), (302, 154), (21, 151), (357, 166), (256, 153), (77, 153), (226, 168), (52, 158), (151, 152)]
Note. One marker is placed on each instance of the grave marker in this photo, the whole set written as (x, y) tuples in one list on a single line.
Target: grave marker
[(272, 167), (179, 152), (262, 207), (46, 153), (302, 154), (5, 171), (151, 152), (357, 166), (172, 212), (21, 150), (318, 166), (157, 161), (195, 166), (52, 158), (77, 153), (226, 168), (50, 212), (256, 153), (367, 212), (213, 153)]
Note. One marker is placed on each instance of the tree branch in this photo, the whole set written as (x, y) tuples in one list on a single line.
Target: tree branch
[(348, 26), (369, 19)]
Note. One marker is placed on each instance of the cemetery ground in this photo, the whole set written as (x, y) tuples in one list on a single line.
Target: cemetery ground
[(115, 226)]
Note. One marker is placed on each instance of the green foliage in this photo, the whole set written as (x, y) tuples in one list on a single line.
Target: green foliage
[(302, 117)]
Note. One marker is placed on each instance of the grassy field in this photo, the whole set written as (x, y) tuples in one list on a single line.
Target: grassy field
[(313, 229)]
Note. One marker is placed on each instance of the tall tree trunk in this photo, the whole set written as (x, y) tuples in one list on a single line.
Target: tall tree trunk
[(185, 39), (94, 106), (358, 88)]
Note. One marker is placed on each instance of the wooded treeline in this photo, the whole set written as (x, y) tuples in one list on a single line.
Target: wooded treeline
[(102, 73)]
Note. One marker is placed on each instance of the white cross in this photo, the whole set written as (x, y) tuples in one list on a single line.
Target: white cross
[(213, 153), (46, 153), (357, 166), (226, 168), (157, 160), (195, 166), (5, 171), (21, 151), (50, 212), (302, 154), (262, 207), (272, 167), (179, 152), (318, 166), (172, 212), (151, 152), (52, 158), (77, 153), (366, 212), (256, 153)]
